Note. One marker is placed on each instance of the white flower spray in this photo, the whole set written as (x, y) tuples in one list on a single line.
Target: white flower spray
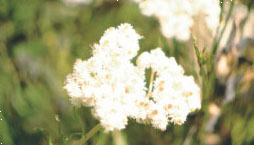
[(176, 16), (115, 88)]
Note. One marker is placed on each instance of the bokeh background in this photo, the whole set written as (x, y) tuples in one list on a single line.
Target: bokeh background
[(41, 39)]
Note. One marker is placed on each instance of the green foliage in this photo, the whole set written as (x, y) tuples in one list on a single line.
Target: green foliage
[(40, 40)]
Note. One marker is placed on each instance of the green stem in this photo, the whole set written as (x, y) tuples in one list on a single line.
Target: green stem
[(78, 113), (218, 27), (211, 73), (90, 134), (201, 66), (217, 42)]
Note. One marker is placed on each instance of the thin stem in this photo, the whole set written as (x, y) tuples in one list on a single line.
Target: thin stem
[(50, 141), (216, 44), (189, 136), (90, 134), (150, 84), (218, 27), (78, 114), (197, 54), (211, 74), (201, 66)]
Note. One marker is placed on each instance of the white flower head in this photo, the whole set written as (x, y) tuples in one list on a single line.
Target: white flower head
[(174, 95), (115, 88), (176, 16)]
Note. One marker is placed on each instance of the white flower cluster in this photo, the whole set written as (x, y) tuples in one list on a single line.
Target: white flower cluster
[(115, 88), (173, 95), (176, 16)]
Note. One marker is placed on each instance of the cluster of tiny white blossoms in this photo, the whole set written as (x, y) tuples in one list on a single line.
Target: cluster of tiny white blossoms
[(115, 88), (173, 94), (176, 16)]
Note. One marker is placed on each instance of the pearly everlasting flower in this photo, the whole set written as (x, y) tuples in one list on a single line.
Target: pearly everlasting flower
[(108, 81), (174, 95), (176, 17), (115, 88), (120, 43)]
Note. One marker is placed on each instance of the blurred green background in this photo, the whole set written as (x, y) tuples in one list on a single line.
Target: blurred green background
[(39, 42)]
